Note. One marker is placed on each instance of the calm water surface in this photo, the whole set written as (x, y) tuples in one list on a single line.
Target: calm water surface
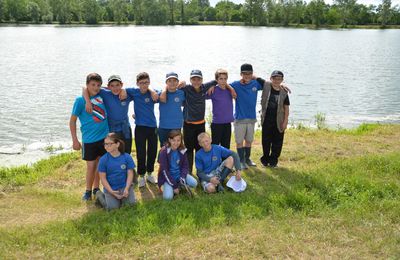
[(350, 75)]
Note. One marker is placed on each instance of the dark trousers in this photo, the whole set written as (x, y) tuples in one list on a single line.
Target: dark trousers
[(145, 135), (127, 142), (190, 133), (221, 134), (272, 142)]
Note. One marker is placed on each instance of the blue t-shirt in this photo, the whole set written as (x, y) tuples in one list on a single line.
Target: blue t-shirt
[(144, 107), (116, 169), (94, 127), (246, 100), (174, 168), (171, 116), (117, 109), (208, 161)]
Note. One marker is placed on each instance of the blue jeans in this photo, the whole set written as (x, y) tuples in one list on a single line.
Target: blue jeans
[(168, 191)]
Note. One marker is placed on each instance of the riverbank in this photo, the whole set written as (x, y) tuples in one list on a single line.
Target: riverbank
[(335, 194), (213, 23)]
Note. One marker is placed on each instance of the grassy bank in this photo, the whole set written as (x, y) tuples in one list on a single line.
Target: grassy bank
[(335, 194)]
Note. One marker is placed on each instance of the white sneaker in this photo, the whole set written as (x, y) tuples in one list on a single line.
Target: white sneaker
[(142, 182), (151, 179)]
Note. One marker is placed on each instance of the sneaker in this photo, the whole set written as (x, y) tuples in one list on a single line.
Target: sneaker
[(87, 195), (250, 163), (150, 178), (264, 161), (244, 166), (142, 181), (95, 190)]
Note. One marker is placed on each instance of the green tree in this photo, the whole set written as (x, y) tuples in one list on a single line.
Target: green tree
[(155, 12), (224, 10), (33, 11), (384, 13), (333, 16), (210, 14), (171, 6), (138, 11), (16, 9), (119, 11), (254, 12), (299, 8), (346, 11), (92, 12), (316, 11)]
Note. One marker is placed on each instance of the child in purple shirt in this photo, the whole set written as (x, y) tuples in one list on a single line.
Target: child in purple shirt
[(221, 128)]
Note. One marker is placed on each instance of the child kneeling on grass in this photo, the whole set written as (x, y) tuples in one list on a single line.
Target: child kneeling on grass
[(214, 163), (174, 166), (116, 170)]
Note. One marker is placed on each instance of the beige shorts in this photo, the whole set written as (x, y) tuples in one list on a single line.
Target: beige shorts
[(244, 131)]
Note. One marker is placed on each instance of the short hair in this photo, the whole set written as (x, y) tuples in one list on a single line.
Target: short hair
[(142, 75), (202, 135), (219, 72), (172, 135), (95, 77)]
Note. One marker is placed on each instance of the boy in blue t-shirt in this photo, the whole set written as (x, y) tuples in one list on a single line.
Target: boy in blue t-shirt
[(171, 116), (245, 113), (145, 129), (94, 128), (214, 163)]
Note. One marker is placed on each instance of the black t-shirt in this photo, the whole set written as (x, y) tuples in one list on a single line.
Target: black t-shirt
[(272, 107)]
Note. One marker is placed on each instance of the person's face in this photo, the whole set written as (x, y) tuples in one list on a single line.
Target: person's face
[(143, 85), (175, 142), (115, 86), (196, 82), (205, 143), (93, 87), (246, 76), (276, 80), (172, 84), (110, 146), (222, 80)]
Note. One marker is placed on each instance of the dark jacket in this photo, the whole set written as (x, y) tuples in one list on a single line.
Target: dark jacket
[(164, 160)]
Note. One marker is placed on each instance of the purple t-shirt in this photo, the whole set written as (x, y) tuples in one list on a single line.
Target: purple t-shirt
[(222, 106)]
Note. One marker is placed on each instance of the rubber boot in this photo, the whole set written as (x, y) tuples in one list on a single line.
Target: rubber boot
[(242, 158), (248, 161)]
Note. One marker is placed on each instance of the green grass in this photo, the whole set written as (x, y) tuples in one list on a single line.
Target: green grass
[(347, 206)]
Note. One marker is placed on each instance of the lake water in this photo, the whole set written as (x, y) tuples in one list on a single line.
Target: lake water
[(350, 75)]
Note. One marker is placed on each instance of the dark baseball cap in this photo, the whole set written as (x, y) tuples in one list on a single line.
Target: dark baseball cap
[(277, 73), (114, 77), (171, 75), (196, 73), (246, 68)]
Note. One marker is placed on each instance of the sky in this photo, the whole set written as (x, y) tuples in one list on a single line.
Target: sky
[(366, 2)]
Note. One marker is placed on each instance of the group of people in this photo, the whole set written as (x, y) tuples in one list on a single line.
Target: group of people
[(107, 135)]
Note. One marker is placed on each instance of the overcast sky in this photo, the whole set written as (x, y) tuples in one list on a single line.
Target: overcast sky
[(366, 2)]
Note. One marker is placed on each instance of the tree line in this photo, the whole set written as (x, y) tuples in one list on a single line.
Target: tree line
[(170, 12)]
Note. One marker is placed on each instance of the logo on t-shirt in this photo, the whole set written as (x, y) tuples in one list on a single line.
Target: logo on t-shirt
[(254, 89), (123, 103), (214, 158), (99, 114), (178, 161), (147, 100), (123, 166), (177, 99)]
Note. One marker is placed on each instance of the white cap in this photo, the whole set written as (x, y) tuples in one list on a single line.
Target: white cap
[(235, 185)]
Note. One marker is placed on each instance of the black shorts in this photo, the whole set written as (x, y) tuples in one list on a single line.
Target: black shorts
[(91, 151)]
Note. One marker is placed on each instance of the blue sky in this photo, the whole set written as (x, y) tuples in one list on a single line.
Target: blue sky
[(366, 2)]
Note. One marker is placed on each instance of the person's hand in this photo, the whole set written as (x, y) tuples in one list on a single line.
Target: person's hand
[(210, 91), (181, 84), (116, 194), (123, 95), (238, 176), (214, 180), (126, 193), (233, 92), (176, 191), (284, 125), (76, 145), (88, 108), (154, 96), (285, 87)]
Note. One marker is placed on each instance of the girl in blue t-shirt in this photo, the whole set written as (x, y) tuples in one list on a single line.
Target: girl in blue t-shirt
[(116, 170), (174, 167)]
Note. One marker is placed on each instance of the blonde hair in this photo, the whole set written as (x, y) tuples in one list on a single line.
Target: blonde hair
[(219, 72), (202, 136)]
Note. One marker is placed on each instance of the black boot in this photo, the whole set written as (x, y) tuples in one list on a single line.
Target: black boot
[(242, 158), (222, 176), (248, 161)]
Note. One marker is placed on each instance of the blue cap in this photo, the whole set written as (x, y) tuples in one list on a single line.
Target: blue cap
[(171, 75), (196, 73), (277, 73)]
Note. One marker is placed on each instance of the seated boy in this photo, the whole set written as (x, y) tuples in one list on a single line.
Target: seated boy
[(94, 128), (214, 163)]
